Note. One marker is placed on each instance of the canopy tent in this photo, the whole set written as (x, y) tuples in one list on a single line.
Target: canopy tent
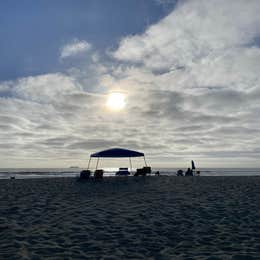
[(116, 153)]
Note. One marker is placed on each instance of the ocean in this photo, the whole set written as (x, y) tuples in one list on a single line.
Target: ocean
[(31, 173)]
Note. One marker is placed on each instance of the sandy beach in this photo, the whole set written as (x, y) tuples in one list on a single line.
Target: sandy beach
[(130, 218)]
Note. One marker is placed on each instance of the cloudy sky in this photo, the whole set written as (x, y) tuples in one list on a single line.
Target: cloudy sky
[(189, 70)]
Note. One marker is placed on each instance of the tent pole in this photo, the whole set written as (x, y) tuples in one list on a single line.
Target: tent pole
[(97, 163), (145, 161), (130, 164), (89, 162)]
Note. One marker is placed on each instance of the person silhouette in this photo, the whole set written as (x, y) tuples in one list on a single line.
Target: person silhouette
[(189, 172)]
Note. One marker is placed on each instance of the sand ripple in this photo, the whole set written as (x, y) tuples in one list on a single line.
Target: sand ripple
[(130, 218)]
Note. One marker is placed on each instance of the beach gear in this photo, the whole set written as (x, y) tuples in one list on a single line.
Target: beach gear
[(180, 173), (193, 165), (85, 174), (143, 171), (98, 174), (123, 171), (117, 153)]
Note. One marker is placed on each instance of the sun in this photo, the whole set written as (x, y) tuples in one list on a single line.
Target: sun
[(116, 101)]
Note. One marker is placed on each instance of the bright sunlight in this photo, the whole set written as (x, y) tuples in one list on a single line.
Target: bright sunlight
[(116, 101)]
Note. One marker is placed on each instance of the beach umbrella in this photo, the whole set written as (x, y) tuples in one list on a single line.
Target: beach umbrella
[(193, 165)]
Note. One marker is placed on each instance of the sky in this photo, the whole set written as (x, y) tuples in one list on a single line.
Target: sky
[(189, 70)]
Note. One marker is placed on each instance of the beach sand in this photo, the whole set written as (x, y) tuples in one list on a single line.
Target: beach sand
[(131, 218)]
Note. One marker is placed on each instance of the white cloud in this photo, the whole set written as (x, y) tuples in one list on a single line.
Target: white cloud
[(200, 45), (192, 86), (44, 88), (195, 29), (74, 48), (206, 53)]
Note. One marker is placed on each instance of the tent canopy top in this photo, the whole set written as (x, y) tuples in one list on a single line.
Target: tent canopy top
[(117, 153)]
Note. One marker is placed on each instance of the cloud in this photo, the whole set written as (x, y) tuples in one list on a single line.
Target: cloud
[(203, 58), (192, 86), (74, 48), (192, 31), (44, 88)]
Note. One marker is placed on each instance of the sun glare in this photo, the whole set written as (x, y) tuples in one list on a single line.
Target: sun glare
[(116, 101)]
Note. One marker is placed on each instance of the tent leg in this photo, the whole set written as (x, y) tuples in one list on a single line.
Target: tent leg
[(145, 161), (130, 164), (89, 162), (97, 163)]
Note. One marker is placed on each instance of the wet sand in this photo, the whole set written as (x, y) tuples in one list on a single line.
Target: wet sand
[(131, 218)]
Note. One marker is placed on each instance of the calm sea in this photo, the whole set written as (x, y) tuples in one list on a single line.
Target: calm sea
[(23, 173)]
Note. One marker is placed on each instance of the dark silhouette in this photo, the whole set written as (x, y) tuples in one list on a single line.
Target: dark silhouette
[(85, 174), (180, 173), (143, 171), (193, 165), (157, 173), (189, 172), (140, 172), (121, 153), (147, 169), (98, 174)]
